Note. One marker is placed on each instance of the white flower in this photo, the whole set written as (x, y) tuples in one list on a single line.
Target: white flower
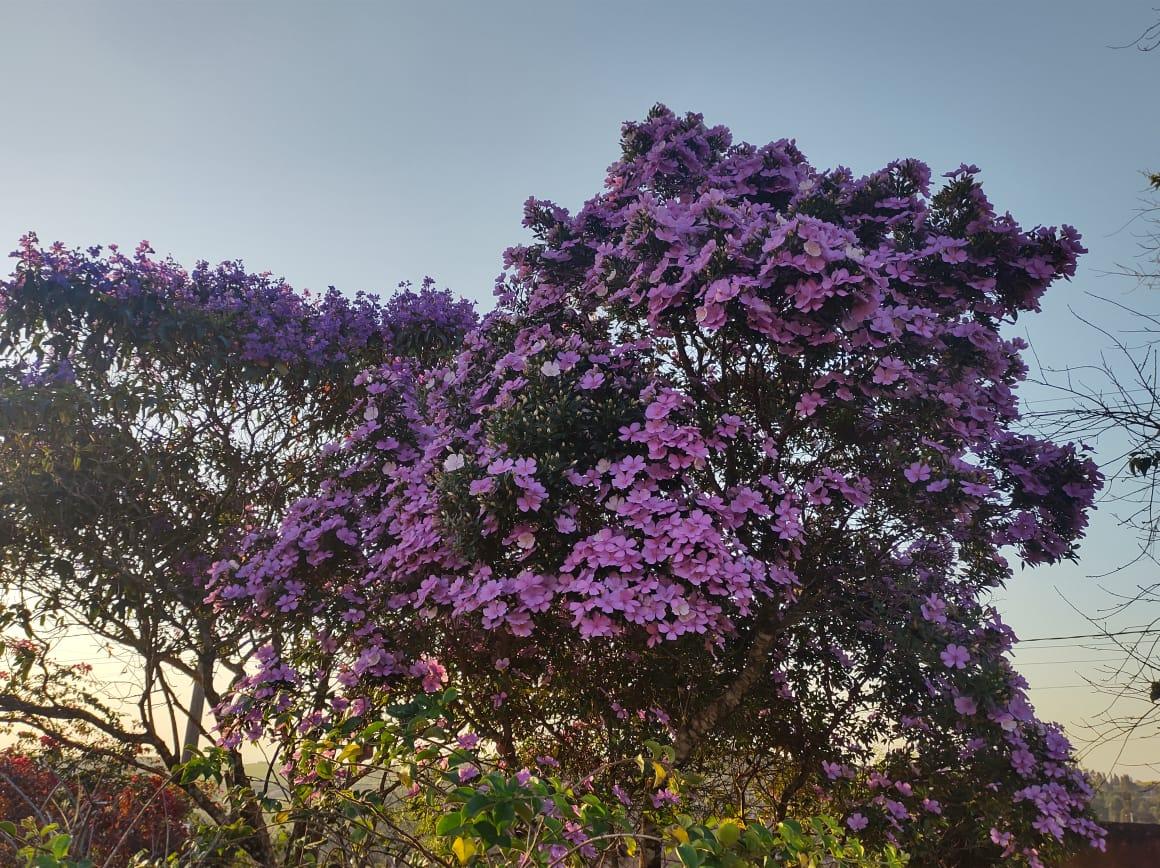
[(371, 412), (855, 253), (812, 248), (454, 461), (550, 369), (603, 465), (526, 540)]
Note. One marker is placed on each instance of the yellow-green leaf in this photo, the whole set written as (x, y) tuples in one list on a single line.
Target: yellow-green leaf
[(463, 849), (728, 833), (659, 774)]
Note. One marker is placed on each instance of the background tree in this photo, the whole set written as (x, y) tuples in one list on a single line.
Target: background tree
[(148, 417), (734, 464), (1116, 402)]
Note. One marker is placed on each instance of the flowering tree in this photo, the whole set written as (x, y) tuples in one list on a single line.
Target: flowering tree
[(734, 463), (148, 416)]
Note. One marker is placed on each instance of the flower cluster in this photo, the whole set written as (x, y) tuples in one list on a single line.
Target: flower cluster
[(259, 318)]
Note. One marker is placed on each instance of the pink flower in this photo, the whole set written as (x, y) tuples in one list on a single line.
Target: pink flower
[(591, 380), (665, 797), (481, 486), (955, 657), (917, 472), (889, 371), (493, 613), (934, 609), (809, 403), (523, 467)]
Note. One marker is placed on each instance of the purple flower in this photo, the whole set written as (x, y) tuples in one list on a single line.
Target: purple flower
[(590, 380), (955, 657), (857, 822), (965, 705), (809, 404), (917, 472), (934, 609)]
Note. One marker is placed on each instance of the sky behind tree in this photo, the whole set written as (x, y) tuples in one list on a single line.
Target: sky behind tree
[(361, 144)]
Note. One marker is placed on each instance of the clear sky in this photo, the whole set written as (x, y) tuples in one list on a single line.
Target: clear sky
[(360, 144)]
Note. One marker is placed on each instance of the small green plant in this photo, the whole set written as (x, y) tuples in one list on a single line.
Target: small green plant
[(41, 846)]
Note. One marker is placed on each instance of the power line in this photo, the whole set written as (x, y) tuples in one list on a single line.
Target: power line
[(1092, 635), (1093, 645)]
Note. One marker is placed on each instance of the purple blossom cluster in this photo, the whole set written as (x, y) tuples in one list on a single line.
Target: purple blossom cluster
[(731, 396), (257, 318)]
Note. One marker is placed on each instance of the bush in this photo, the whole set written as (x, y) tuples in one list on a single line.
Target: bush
[(91, 810)]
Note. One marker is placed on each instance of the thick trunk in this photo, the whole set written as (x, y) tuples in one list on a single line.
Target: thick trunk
[(702, 723), (193, 724)]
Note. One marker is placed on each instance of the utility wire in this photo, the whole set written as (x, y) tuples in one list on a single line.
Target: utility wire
[(1092, 635)]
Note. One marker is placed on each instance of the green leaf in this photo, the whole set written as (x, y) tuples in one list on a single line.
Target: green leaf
[(449, 823), (475, 805), (728, 833), (689, 856), (59, 846)]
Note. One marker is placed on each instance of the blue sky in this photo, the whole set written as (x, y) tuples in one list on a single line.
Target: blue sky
[(360, 144)]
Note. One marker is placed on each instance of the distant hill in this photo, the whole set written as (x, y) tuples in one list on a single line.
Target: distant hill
[(1122, 799)]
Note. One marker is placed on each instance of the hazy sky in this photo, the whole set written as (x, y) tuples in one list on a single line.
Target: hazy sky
[(360, 144)]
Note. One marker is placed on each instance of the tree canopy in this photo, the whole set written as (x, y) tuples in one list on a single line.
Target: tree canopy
[(735, 463), (149, 415)]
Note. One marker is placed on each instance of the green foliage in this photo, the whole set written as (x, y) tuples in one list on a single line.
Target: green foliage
[(419, 786), (41, 846)]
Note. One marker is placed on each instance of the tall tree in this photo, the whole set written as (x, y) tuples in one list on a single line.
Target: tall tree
[(735, 463)]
